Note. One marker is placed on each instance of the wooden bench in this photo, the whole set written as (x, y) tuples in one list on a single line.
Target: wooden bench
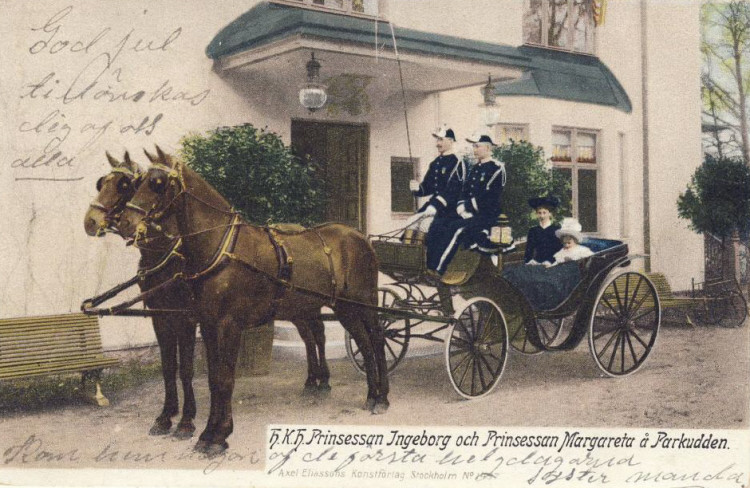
[(53, 344), (666, 296)]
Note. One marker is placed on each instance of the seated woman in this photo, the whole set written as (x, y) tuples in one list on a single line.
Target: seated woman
[(541, 241), (570, 235)]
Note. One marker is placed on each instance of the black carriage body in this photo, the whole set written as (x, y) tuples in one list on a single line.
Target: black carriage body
[(601, 304)]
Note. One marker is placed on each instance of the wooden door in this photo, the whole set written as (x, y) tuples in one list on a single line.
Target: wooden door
[(340, 152)]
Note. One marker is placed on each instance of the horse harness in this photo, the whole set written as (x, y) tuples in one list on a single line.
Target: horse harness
[(222, 257)]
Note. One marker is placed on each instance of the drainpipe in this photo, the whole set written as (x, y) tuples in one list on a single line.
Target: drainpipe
[(644, 115)]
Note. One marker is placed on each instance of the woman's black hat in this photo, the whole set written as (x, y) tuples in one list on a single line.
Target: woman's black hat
[(548, 201)]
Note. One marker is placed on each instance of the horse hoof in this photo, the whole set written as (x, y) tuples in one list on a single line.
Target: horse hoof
[(309, 390), (201, 446), (213, 450), (324, 389), (369, 404), (183, 432), (159, 429), (380, 407)]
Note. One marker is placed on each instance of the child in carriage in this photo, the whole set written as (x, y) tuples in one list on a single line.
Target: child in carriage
[(570, 235)]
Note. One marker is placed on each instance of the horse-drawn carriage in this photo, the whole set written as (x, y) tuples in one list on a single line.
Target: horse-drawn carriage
[(235, 275), (619, 311)]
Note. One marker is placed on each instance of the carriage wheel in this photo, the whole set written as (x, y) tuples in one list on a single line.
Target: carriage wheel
[(397, 333), (476, 348), (625, 323), (549, 330), (730, 311)]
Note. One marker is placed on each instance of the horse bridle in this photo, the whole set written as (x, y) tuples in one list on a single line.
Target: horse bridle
[(112, 215)]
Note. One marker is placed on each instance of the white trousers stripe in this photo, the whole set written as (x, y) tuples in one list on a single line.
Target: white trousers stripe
[(448, 249)]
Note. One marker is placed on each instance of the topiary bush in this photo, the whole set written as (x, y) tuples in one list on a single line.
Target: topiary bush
[(257, 174), (717, 199)]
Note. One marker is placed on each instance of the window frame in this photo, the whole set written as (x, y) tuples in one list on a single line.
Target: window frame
[(574, 165), (415, 175), (544, 41), (510, 125), (346, 9)]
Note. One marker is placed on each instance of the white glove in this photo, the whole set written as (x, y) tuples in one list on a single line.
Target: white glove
[(430, 210), (414, 185), (465, 215), (460, 209)]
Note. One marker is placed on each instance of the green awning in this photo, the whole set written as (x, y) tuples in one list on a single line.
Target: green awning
[(547, 73)]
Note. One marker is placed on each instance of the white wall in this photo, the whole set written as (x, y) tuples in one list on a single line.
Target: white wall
[(48, 264), (674, 127)]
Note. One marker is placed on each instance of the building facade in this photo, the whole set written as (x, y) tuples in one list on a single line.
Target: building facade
[(610, 90)]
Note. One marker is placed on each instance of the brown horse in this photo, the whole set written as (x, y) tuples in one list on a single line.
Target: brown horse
[(242, 275), (115, 190), (174, 332)]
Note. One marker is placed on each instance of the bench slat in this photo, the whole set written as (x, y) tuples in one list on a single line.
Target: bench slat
[(82, 335), (35, 346), (58, 368), (15, 328)]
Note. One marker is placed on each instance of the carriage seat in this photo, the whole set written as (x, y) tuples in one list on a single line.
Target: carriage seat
[(598, 245)]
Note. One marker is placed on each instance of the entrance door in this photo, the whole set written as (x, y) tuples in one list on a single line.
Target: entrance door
[(340, 151)]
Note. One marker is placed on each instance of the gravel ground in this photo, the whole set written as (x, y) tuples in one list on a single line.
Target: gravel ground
[(695, 378)]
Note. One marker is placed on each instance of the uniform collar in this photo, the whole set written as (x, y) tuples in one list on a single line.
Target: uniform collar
[(447, 153)]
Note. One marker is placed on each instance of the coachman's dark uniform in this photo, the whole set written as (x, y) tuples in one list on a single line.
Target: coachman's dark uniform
[(482, 197), (542, 244), (443, 181)]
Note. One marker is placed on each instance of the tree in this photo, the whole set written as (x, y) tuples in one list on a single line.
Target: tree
[(257, 174), (528, 177), (717, 200), (726, 77)]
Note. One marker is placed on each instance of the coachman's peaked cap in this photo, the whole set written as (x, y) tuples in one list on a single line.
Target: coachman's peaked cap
[(444, 133)]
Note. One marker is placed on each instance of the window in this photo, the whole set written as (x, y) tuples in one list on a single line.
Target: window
[(505, 132), (562, 24), (402, 171), (574, 158), (365, 7)]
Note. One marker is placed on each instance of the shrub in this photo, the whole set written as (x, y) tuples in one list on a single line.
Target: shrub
[(528, 177), (257, 174), (717, 199)]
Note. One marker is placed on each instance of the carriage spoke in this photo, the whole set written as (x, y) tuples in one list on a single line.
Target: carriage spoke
[(614, 352), (638, 338), (609, 343), (460, 343), (607, 318), (632, 349), (605, 332), (625, 304), (611, 307), (481, 375), (617, 295), (487, 364), (473, 374), (469, 333), (632, 308), (518, 331), (622, 351), (390, 349), (466, 358), (635, 308), (639, 317)]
